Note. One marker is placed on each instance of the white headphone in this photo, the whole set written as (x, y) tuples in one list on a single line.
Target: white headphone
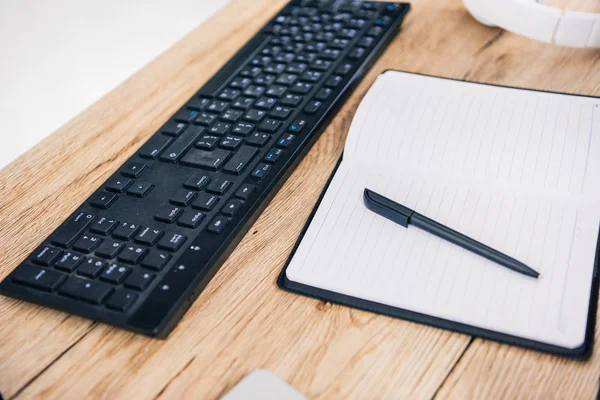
[(535, 20)]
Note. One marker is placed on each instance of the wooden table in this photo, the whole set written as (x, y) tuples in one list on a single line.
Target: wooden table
[(242, 321)]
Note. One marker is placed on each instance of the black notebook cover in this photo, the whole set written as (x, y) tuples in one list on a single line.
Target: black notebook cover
[(582, 352)]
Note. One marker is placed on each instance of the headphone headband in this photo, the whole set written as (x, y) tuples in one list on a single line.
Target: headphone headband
[(538, 21)]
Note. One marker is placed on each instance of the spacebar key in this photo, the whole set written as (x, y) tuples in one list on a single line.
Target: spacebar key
[(174, 152), (70, 230), (240, 160)]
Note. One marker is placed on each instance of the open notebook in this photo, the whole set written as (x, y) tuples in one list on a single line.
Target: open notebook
[(517, 170)]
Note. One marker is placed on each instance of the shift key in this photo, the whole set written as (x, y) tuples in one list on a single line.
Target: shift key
[(65, 235), (175, 151)]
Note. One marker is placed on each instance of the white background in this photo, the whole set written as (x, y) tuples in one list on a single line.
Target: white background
[(58, 57)]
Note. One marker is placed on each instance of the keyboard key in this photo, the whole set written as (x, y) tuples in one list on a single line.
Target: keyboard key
[(323, 94), (276, 91), (91, 267), (275, 68), (103, 226), (343, 69), (198, 103), (87, 243), (46, 255), (115, 273), (168, 214), (285, 140), (240, 160), (265, 79), (205, 119), (118, 184), (340, 43), (254, 91), (301, 88), (231, 142), (265, 103), (242, 129), (330, 54), (297, 125), (196, 182), (219, 186), (269, 125), (172, 241), (281, 112), (333, 81), (182, 197), (321, 65), (245, 191), (273, 155), (232, 207), (207, 142), (185, 115), (243, 103), (109, 249), (217, 106), (220, 128), (126, 231), (148, 236), (140, 189), (84, 289), (375, 31), (231, 116), (121, 300), (103, 200), (132, 254), (290, 100), (38, 277), (258, 139), (211, 160), (69, 261), (366, 41), (139, 280), (255, 116), (287, 79), (67, 233), (311, 76), (173, 128), (251, 72), (261, 171), (191, 219), (296, 68), (312, 107), (155, 146), (218, 224), (205, 201), (240, 83), (156, 260), (175, 151), (229, 94)]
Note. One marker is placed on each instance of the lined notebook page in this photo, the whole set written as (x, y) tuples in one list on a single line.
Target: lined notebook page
[(504, 166)]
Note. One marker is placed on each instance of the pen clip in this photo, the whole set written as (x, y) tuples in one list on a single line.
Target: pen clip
[(387, 208)]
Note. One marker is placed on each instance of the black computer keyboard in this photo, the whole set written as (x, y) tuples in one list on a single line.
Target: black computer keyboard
[(139, 251)]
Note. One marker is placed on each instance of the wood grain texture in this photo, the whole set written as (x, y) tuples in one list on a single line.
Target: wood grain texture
[(242, 321)]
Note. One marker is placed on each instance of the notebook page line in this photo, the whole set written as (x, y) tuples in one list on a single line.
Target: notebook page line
[(322, 214), (360, 212), (349, 216), (528, 137), (575, 150)]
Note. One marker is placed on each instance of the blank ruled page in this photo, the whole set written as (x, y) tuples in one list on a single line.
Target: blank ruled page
[(513, 169)]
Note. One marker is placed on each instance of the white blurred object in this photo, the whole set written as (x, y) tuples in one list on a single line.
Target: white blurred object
[(262, 385), (59, 57), (535, 20)]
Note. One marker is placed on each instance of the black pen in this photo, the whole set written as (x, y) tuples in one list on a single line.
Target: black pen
[(404, 216)]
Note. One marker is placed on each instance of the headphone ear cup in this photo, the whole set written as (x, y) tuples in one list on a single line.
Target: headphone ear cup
[(478, 18)]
